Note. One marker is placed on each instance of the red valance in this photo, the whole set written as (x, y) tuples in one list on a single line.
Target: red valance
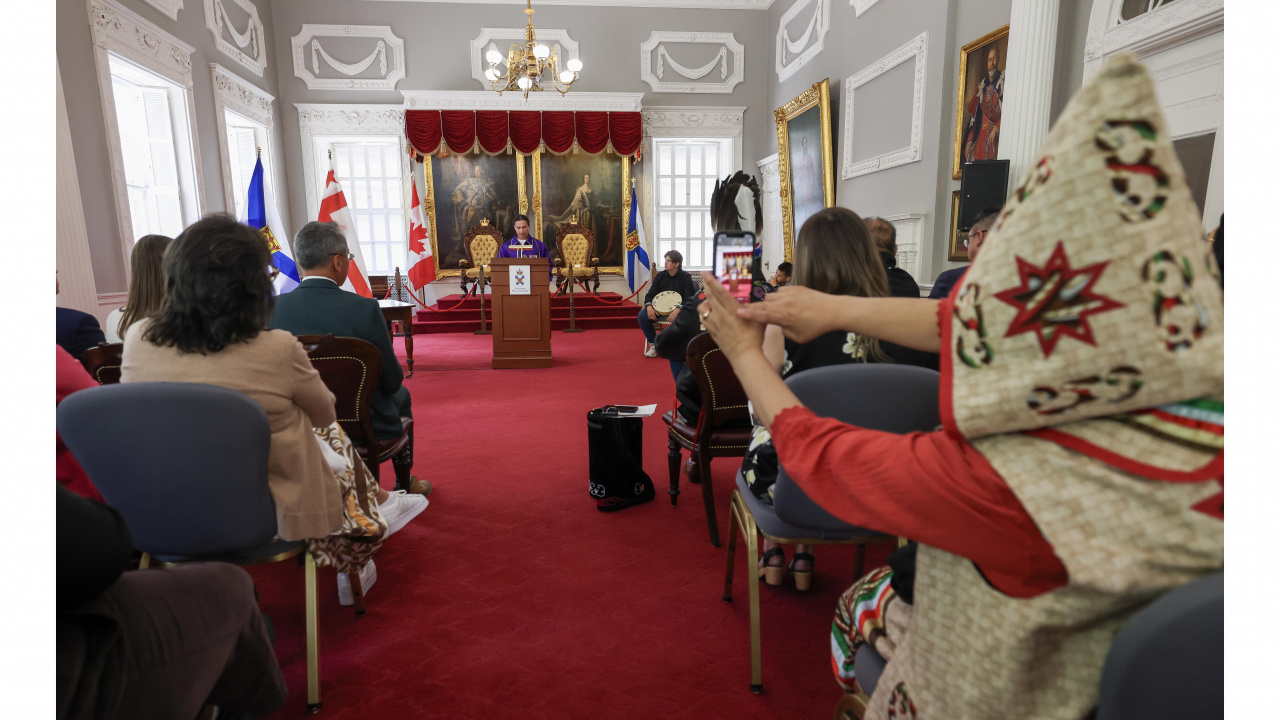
[(525, 130)]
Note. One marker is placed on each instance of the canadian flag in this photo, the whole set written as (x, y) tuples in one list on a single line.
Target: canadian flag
[(422, 269), (333, 208)]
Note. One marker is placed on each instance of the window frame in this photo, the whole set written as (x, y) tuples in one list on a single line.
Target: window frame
[(120, 32), (239, 103), (348, 189), (724, 161)]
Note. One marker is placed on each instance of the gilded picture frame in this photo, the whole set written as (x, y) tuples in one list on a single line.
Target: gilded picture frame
[(610, 228), (808, 115), (447, 267), (956, 250), (973, 60)]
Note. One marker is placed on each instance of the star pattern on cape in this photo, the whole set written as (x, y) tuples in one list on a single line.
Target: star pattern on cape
[(1056, 300)]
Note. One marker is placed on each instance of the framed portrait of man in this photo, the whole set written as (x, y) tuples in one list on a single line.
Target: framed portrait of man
[(980, 98), (462, 190), (806, 169), (956, 249), (595, 189)]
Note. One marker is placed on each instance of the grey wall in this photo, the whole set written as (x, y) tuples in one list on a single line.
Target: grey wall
[(438, 49), (88, 128)]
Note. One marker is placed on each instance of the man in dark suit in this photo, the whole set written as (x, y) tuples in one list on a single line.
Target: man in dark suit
[(320, 306), (977, 233), (901, 284), (77, 331)]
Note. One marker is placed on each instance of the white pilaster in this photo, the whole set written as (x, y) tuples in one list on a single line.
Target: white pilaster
[(74, 265), (1028, 89)]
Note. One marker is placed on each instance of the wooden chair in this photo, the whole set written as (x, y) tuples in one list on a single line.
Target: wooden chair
[(724, 426), (103, 362), (350, 368), (481, 243), (576, 246), (378, 285)]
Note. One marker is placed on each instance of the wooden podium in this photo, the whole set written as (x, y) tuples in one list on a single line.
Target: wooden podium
[(521, 323)]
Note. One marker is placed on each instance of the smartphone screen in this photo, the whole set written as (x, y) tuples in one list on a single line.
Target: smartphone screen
[(733, 253)]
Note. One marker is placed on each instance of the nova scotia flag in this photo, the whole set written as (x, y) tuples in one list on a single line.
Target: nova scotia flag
[(261, 213)]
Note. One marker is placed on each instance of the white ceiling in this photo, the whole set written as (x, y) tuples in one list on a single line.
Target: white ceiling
[(670, 4)]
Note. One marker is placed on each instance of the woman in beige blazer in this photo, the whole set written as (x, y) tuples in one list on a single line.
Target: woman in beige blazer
[(211, 329)]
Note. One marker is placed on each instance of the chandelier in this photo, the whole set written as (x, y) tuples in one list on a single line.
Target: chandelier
[(528, 63)]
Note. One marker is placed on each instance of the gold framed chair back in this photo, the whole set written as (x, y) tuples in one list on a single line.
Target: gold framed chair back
[(576, 246), (481, 243)]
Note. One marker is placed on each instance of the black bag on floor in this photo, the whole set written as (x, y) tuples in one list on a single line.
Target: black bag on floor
[(618, 479)]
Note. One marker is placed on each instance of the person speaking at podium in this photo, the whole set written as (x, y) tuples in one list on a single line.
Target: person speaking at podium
[(524, 245)]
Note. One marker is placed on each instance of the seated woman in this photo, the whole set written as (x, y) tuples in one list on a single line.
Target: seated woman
[(1079, 472), (211, 329), (834, 255), (146, 286)]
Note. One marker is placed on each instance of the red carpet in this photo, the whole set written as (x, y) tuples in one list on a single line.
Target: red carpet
[(512, 596)]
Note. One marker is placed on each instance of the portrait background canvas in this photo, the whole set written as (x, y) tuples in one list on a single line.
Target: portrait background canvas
[(598, 203), (980, 99), (463, 198), (804, 137)]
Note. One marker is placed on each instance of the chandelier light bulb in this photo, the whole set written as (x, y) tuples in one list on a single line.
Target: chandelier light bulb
[(574, 65), (493, 56), (491, 74), (566, 77), (523, 83), (541, 51)]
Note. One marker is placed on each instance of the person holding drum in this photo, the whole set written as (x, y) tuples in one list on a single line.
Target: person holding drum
[(667, 291)]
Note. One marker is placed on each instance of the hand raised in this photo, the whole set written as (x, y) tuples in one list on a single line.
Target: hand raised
[(803, 314), (735, 336)]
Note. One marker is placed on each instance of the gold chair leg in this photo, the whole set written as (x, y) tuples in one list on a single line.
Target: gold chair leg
[(313, 638), (144, 562), (733, 546), (753, 592)]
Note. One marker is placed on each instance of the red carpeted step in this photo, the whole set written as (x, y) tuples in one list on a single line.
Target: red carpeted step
[(591, 312)]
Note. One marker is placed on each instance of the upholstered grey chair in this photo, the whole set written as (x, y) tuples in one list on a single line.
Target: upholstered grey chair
[(892, 398), (186, 465)]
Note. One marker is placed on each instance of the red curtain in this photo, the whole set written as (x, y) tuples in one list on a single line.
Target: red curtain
[(460, 130)]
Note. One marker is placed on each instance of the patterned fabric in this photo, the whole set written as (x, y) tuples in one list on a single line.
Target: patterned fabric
[(363, 529), (483, 248), (868, 612), (1095, 294)]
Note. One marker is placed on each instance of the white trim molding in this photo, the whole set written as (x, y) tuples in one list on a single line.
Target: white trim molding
[(910, 233), (388, 51), (249, 48), (234, 93), (664, 4), (771, 209), (168, 7), (557, 39), (861, 6), (490, 100), (118, 30), (725, 45), (331, 120), (918, 48), (1164, 27), (808, 46)]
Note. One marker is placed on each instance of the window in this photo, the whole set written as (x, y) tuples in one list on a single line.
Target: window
[(686, 174), (1130, 9), (155, 145), (369, 173), (244, 138)]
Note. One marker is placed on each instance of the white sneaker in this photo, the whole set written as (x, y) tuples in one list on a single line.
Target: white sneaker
[(401, 507), (650, 350), (368, 576)]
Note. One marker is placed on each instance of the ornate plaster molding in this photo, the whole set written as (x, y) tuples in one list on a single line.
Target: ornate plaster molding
[(669, 4), (770, 181), (490, 100), (692, 121), (808, 46), (317, 120), (249, 48), (910, 232), (388, 47), (861, 6), (725, 44), (918, 49), (502, 38), (234, 93), (168, 7), (124, 32), (1164, 27)]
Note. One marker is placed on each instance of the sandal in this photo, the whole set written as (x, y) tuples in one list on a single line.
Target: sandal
[(773, 574), (803, 578)]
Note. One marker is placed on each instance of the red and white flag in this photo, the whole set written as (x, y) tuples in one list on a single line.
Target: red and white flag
[(422, 269), (333, 208)]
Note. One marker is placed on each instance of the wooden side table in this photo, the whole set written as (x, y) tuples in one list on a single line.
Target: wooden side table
[(402, 312)]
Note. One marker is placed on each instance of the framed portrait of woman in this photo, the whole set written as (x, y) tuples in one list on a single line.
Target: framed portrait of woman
[(594, 189), (980, 99), (806, 161)]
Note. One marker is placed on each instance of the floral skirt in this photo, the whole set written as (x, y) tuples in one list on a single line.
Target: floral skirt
[(363, 529)]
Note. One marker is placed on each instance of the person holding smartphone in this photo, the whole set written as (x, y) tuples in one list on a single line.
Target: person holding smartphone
[(673, 278)]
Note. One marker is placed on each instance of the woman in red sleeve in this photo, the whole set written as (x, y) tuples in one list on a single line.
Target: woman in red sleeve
[(1079, 472), (71, 376)]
